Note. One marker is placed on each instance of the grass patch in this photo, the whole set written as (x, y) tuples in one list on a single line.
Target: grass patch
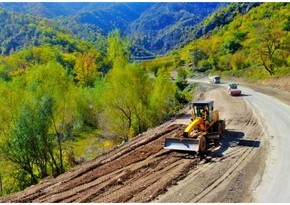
[(90, 144)]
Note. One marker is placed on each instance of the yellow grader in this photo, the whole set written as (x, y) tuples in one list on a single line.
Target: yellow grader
[(205, 128)]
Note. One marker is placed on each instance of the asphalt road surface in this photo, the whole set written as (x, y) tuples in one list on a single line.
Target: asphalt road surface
[(275, 184)]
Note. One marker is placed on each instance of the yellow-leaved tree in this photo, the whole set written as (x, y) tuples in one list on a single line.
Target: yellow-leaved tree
[(86, 68)]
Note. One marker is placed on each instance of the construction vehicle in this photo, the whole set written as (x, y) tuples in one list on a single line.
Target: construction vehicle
[(215, 79), (204, 130)]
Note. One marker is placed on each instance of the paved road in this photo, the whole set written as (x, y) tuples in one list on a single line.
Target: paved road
[(275, 185), (275, 115)]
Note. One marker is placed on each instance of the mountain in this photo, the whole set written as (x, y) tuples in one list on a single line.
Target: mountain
[(152, 28), (87, 21), (159, 28), (105, 16), (215, 21), (114, 16), (52, 9), (19, 31)]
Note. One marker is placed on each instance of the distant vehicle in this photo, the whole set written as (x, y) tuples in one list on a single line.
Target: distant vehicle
[(215, 79), (234, 90)]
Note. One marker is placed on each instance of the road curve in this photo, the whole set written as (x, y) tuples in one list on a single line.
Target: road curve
[(274, 186), (275, 115)]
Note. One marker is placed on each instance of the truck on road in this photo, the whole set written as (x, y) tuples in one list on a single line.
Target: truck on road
[(215, 79)]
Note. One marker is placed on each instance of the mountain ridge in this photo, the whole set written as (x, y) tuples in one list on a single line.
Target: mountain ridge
[(152, 28)]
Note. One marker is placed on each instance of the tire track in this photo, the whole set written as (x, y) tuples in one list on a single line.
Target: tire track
[(249, 123), (224, 177), (211, 180)]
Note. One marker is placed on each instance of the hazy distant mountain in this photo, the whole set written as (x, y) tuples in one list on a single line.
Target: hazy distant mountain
[(113, 16), (152, 27), (52, 9), (160, 27)]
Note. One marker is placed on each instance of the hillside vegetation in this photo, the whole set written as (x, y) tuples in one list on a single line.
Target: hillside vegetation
[(65, 101), (160, 28), (215, 22), (53, 9), (255, 45), (21, 31)]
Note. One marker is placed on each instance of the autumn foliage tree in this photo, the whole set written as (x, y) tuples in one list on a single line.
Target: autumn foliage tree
[(86, 68)]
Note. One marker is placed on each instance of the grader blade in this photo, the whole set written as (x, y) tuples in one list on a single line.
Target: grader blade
[(186, 144)]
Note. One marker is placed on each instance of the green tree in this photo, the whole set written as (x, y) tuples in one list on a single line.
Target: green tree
[(268, 42), (162, 98), (126, 101), (118, 49), (196, 55), (51, 79), (29, 144), (181, 78), (119, 96), (231, 45)]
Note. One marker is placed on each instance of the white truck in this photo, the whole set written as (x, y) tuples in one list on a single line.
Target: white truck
[(215, 79)]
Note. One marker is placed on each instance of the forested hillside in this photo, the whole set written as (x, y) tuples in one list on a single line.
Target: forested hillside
[(21, 31), (118, 16), (52, 9), (153, 28), (254, 46), (214, 22), (160, 28)]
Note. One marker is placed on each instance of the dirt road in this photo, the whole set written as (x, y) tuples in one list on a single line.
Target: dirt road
[(142, 171), (231, 174)]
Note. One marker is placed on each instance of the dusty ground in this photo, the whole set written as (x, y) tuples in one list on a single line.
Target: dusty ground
[(229, 175), (142, 171)]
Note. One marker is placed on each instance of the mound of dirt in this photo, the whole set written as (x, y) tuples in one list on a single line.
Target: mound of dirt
[(282, 83)]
